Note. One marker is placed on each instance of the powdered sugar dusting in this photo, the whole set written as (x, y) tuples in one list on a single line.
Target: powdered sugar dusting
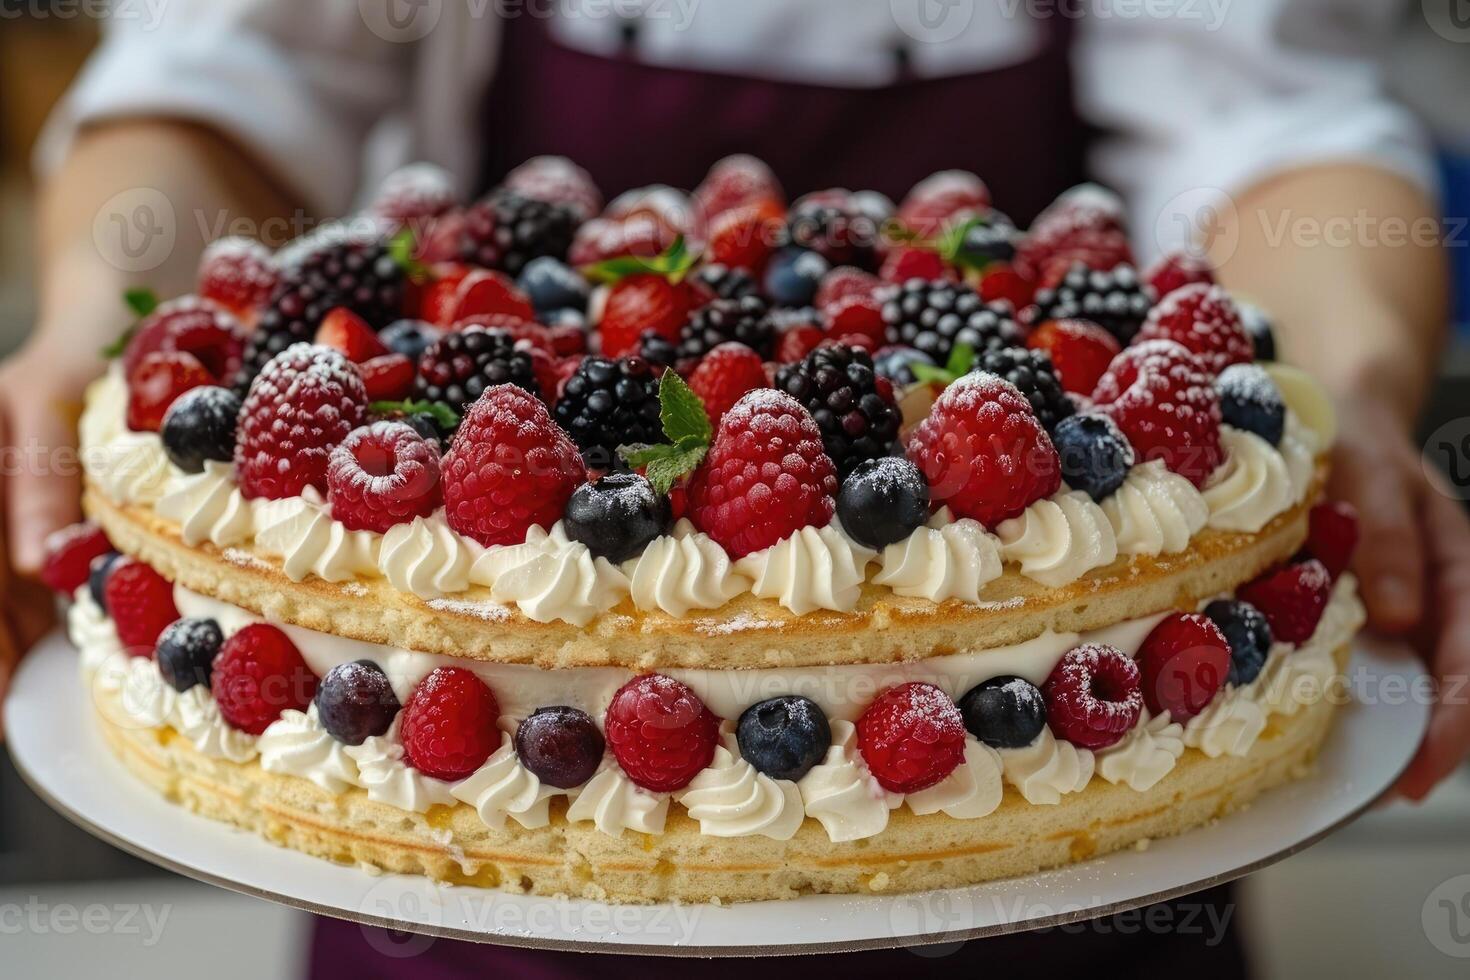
[(244, 559), (739, 623), (490, 612)]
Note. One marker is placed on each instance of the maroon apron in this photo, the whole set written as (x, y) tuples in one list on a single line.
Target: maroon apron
[(631, 125)]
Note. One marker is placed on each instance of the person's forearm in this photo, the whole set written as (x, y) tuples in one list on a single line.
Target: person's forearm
[(1347, 259), (133, 205)]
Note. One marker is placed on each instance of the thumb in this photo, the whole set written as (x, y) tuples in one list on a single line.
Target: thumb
[(42, 478)]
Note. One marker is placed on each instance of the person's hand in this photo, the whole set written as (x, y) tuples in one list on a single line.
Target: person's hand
[(1413, 562)]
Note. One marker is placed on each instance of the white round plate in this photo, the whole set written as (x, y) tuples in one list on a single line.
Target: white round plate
[(51, 734)]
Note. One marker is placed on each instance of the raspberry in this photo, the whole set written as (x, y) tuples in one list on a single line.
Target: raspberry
[(838, 385), (742, 320), (734, 181), (349, 333), (258, 675), (388, 378), (302, 404), (383, 474), (1080, 351), (557, 180), (450, 724), (1176, 269), (797, 343), (1162, 398), (941, 200), (845, 281), (1332, 535), (414, 194), (1062, 236), (238, 274), (935, 316), (640, 303), (1032, 373), (912, 736), (1001, 282), (744, 237), (765, 477), (660, 732), (1292, 598), (643, 235), (1115, 300), (156, 382), (857, 316), (193, 326), (607, 404), (725, 374), (908, 263), (1203, 319), (69, 554), (984, 452), (1093, 696), (141, 604), (510, 467), (461, 365), (1184, 661), (507, 229)]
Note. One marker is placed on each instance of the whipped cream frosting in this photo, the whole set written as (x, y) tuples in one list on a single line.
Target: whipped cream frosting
[(681, 571), (427, 558), (730, 798), (815, 568), (296, 744), (971, 791), (1059, 539), (614, 803), (301, 532), (130, 467), (197, 718), (842, 795), (1155, 511), (208, 506), (551, 577), (1145, 755), (502, 787), (388, 779), (947, 559), (1047, 769)]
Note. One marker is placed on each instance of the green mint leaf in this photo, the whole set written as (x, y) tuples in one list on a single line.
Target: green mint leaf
[(684, 419), (142, 301), (444, 416), (665, 471), (115, 349), (961, 360), (673, 264), (931, 374), (401, 248), (640, 454)]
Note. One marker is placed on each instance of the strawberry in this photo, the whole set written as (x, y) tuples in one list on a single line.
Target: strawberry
[(349, 333), (640, 302), (1080, 351), (483, 292), (158, 379), (388, 377), (744, 237)]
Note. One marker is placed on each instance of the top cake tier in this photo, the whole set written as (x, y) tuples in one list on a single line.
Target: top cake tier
[(672, 461)]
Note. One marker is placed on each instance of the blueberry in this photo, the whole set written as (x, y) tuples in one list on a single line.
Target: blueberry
[(1248, 634), (199, 426), (990, 240), (1004, 712), (551, 285), (895, 362), (410, 337), (1095, 454), (792, 276), (560, 745), (1258, 325), (883, 501), (355, 701), (1250, 400), (186, 652), (565, 318), (97, 574), (617, 516), (784, 737)]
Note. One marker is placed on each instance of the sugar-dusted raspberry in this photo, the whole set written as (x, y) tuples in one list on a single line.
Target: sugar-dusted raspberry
[(191, 325), (141, 604), (725, 374), (381, 475), (744, 237), (300, 406), (766, 475), (907, 263), (941, 200), (1054, 245), (450, 724), (843, 282), (1332, 535), (557, 180), (1183, 661), (1292, 598), (1163, 398), (983, 450), (1178, 268), (258, 674), (660, 732), (1203, 318), (414, 193), (238, 274), (510, 467), (797, 342), (158, 380), (737, 180), (1080, 351), (69, 554), (912, 736), (1093, 696)]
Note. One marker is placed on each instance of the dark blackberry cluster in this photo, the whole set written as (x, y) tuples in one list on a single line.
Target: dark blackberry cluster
[(932, 317), (1116, 300), (841, 236), (744, 320), (506, 230), (1032, 372), (838, 385), (724, 282), (347, 271), (459, 366), (610, 403), (657, 349)]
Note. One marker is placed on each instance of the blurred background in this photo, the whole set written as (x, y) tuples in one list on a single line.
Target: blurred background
[(1349, 907)]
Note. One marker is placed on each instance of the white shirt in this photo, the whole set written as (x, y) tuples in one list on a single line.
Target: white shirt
[(1204, 98)]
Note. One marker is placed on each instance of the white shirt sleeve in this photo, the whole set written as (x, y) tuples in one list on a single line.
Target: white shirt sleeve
[(1200, 100), (302, 85)]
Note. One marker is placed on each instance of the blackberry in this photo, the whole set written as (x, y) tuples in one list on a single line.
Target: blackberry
[(459, 366), (932, 317), (838, 385), (657, 349), (330, 269), (506, 230), (725, 282), (1116, 300), (744, 320), (610, 403), (1030, 371)]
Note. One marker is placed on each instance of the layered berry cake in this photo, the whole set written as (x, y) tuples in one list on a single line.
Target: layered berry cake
[(705, 547)]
